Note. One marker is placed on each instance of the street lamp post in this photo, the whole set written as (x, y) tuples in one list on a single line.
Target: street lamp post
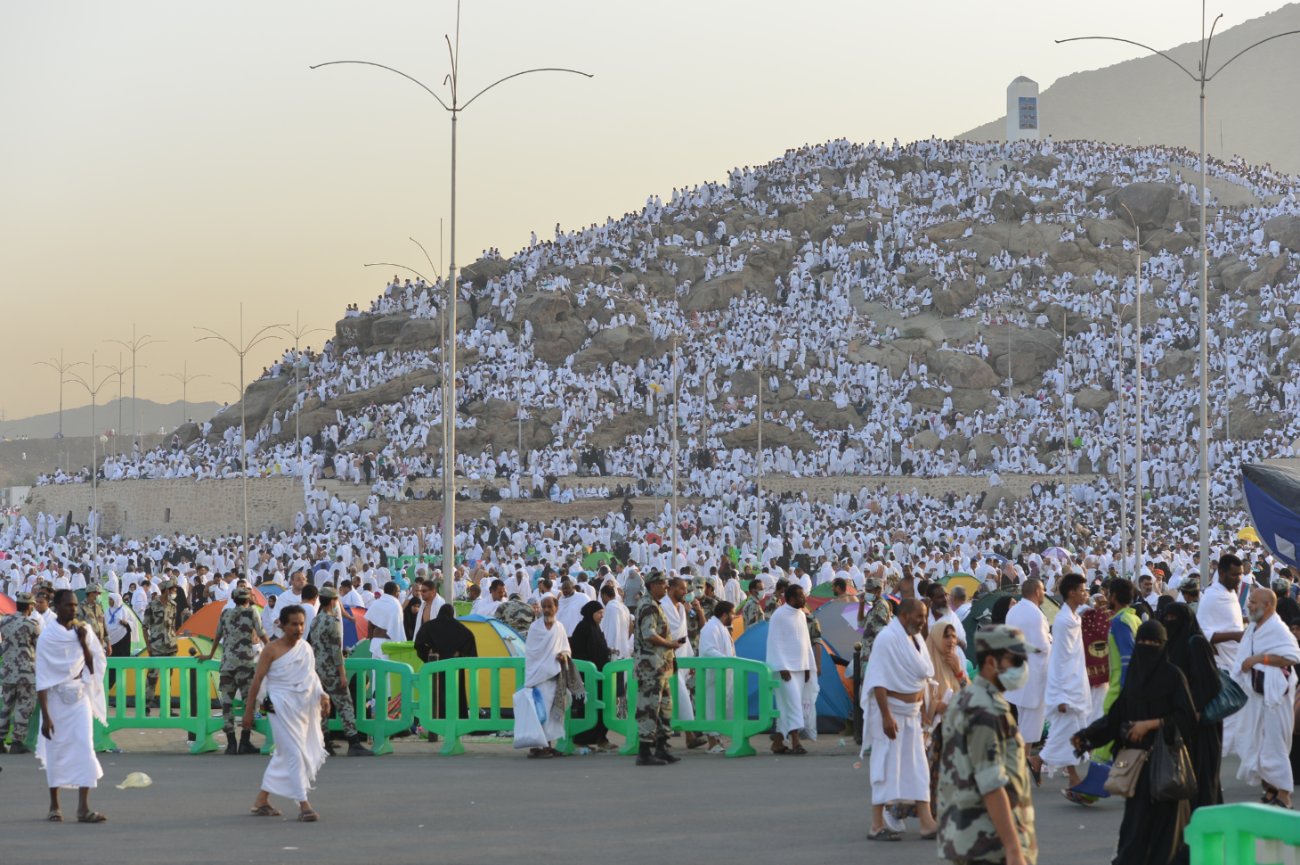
[(92, 522), (673, 379), (298, 332), (120, 372), (241, 350), (135, 345), (58, 365), (1201, 77), (1069, 423), (185, 378), (1123, 444), (449, 378), (1137, 514)]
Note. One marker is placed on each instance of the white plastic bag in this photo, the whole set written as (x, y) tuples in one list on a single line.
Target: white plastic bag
[(528, 720)]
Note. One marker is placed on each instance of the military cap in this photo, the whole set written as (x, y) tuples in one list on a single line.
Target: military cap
[(874, 583), (328, 593), (243, 593), (1001, 638), (165, 585), (93, 587), (25, 598), (655, 576)]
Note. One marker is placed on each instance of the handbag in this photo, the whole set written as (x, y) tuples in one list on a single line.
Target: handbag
[(1172, 776), (1125, 771), (1227, 702)]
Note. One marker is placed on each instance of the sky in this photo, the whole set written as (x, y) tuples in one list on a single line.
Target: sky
[(164, 162)]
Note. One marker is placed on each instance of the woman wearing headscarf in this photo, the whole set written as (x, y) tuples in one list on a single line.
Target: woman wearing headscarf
[(588, 644), (1154, 701), (949, 678), (120, 624), (1190, 652), (440, 639)]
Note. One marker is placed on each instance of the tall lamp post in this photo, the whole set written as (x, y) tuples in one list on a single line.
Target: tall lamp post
[(1137, 301), (241, 350), (185, 378), (673, 379), (120, 372), (1202, 76), (449, 405), (298, 332), (93, 388), (137, 344), (58, 365)]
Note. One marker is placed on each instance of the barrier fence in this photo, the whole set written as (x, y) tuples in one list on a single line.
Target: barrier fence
[(1243, 834), (452, 698)]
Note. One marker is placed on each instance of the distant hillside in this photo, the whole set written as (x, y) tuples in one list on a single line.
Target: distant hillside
[(1148, 101), (76, 421)]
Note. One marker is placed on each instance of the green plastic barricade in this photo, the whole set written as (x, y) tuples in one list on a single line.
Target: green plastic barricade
[(736, 718), (479, 696), (1243, 834), (210, 695), (379, 696), (127, 703)]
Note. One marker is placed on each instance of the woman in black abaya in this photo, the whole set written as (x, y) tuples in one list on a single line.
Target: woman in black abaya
[(440, 639), (588, 644), (1154, 701), (1190, 652)]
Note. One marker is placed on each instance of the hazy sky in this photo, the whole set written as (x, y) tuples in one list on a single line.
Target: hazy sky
[(163, 161)]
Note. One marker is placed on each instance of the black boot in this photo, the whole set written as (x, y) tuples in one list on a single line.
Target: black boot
[(356, 749), (231, 746), (645, 758), (661, 752), (246, 745)]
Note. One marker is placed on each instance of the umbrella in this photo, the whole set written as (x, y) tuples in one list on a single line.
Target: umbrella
[(1056, 553), (965, 581), (1248, 533), (995, 556), (592, 561), (7, 605), (1273, 499), (270, 590)]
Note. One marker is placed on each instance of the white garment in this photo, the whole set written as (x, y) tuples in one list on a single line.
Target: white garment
[(386, 613), (1263, 738), (542, 668), (1067, 684), (1029, 618), (295, 693), (616, 626), (899, 769), (569, 612), (1220, 612), (75, 700), (716, 642)]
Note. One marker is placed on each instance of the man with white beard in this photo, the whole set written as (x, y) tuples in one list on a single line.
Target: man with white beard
[(1219, 615), (1027, 616), (716, 642), (1068, 697), (898, 673), (1268, 719)]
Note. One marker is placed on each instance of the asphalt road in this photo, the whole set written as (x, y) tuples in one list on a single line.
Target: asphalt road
[(493, 806)]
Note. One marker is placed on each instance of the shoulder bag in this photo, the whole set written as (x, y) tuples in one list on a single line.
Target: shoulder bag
[(1125, 771), (1228, 701), (1172, 776)]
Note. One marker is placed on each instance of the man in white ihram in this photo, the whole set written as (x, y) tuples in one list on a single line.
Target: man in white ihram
[(716, 642), (1219, 615), (1268, 649), (384, 617), (790, 655), (897, 676), (547, 656), (1068, 698), (70, 689), (1027, 615)]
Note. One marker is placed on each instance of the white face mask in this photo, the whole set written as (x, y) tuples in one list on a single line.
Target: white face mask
[(1014, 678)]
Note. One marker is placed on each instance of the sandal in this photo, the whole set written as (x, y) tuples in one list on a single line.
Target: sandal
[(308, 816), (56, 816), (539, 754), (1079, 798), (551, 752), (1036, 773), (885, 834), (91, 817), (267, 810), (778, 747), (797, 750)]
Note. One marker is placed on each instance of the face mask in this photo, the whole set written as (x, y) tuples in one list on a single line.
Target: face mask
[(690, 596), (871, 597), (1014, 678), (1191, 605)]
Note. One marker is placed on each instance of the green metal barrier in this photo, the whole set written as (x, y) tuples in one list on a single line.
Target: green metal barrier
[(209, 695), (372, 683), (131, 713), (739, 727), (1243, 834), (487, 715)]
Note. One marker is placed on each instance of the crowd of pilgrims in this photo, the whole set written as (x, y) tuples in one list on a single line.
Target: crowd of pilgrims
[(800, 340)]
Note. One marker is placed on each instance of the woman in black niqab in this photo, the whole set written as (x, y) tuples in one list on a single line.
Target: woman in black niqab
[(588, 644), (1155, 701), (440, 639), (1190, 652)]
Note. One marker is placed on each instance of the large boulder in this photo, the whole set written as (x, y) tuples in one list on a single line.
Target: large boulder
[(925, 440), (1093, 399), (353, 332), (963, 370), (774, 436), (716, 294), (957, 296), (1147, 202), (1285, 230), (558, 328), (258, 403)]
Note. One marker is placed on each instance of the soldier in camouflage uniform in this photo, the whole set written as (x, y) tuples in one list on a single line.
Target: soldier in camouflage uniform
[(983, 765), (653, 652), (881, 614), (751, 611), (90, 612), (159, 635), (517, 614), (240, 635), (326, 640), (18, 633)]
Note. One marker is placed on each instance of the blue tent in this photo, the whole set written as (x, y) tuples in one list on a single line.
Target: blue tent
[(833, 702), (1273, 499)]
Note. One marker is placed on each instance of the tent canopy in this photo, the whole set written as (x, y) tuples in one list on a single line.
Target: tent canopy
[(1273, 499)]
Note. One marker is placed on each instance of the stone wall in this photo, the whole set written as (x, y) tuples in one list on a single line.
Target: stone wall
[(144, 508)]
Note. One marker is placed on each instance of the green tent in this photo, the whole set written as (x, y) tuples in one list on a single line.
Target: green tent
[(981, 612), (594, 560)]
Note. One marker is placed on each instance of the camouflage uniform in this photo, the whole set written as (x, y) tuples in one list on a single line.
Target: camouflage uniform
[(751, 612), (18, 635), (517, 614), (654, 672), (236, 632), (326, 640), (881, 614), (90, 612), (159, 636), (982, 751)]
